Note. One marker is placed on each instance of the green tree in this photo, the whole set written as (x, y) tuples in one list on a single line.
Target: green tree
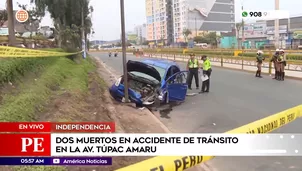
[(3, 17), (34, 19), (238, 28), (67, 17), (209, 38), (200, 39), (186, 33)]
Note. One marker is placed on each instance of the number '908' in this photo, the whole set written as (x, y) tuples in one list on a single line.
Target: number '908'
[(255, 14)]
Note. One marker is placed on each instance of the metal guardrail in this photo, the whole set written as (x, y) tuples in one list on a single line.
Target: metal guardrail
[(180, 163), (243, 61)]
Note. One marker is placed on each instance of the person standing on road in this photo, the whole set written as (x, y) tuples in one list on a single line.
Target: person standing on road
[(192, 67), (282, 63), (259, 59), (207, 70), (274, 61)]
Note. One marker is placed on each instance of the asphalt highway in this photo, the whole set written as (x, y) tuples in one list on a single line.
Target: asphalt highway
[(236, 98)]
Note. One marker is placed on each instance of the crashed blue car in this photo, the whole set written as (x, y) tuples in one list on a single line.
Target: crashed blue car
[(152, 81)]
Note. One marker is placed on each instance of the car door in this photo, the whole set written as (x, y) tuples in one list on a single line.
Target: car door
[(177, 86)]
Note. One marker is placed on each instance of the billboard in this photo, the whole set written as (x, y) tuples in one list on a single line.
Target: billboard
[(256, 30), (132, 37), (3, 31), (210, 15), (297, 34), (271, 29)]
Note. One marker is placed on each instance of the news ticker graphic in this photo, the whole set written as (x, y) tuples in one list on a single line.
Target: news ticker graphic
[(89, 144), (264, 15), (47, 127), (55, 161)]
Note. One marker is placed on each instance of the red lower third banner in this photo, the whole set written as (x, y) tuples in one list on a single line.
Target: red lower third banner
[(25, 145), (60, 127)]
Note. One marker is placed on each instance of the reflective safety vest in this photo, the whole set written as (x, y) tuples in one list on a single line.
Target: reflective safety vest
[(280, 58), (193, 64), (206, 65)]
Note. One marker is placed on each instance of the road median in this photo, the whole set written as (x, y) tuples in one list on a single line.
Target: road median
[(293, 68)]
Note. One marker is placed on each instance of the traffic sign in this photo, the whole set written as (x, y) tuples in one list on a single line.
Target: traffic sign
[(22, 16)]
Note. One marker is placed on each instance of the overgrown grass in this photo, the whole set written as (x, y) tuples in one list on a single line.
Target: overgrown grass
[(60, 72), (56, 74)]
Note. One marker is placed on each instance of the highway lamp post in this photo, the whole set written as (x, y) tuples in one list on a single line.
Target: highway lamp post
[(125, 75), (83, 34), (277, 40), (242, 27)]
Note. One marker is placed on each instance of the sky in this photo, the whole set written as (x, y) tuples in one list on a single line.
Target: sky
[(106, 16)]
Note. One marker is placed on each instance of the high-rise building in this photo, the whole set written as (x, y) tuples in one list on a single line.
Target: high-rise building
[(140, 31), (203, 15), (159, 21), (169, 18)]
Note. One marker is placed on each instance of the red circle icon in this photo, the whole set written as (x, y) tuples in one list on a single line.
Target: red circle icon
[(22, 16)]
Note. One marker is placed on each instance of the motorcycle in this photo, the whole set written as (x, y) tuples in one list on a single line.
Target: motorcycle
[(115, 55), (109, 54)]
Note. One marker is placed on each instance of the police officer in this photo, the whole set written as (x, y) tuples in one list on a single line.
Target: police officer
[(207, 70), (192, 67), (282, 63), (274, 61), (259, 59)]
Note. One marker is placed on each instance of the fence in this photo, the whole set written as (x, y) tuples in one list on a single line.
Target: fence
[(292, 65), (180, 163)]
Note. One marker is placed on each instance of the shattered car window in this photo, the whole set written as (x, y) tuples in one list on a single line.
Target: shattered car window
[(161, 71)]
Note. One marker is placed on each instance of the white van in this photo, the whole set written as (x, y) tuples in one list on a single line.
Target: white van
[(202, 45)]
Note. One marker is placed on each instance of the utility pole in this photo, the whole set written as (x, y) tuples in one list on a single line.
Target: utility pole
[(242, 27), (83, 34), (124, 51), (11, 25), (195, 27), (277, 26)]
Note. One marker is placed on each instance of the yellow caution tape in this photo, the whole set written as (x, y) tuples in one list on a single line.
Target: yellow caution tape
[(180, 163), (13, 52)]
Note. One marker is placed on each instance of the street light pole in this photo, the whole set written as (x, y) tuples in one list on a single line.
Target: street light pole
[(242, 27), (83, 33), (124, 51), (11, 25), (195, 27), (277, 25)]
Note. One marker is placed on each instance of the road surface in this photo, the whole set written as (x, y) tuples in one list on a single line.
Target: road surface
[(236, 98)]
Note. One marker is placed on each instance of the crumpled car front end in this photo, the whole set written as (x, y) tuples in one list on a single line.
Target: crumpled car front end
[(144, 84)]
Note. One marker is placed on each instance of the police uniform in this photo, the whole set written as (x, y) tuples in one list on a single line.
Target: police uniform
[(193, 66), (259, 59), (274, 61), (207, 70), (282, 62)]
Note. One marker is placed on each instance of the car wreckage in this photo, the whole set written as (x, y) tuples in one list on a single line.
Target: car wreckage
[(152, 81)]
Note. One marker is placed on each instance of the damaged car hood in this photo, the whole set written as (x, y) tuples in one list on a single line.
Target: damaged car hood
[(143, 68)]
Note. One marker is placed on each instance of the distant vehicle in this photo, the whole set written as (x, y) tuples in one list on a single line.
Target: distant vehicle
[(202, 45), (150, 81)]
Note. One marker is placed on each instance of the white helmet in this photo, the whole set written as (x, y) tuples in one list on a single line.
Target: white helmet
[(259, 52), (281, 50), (277, 50)]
